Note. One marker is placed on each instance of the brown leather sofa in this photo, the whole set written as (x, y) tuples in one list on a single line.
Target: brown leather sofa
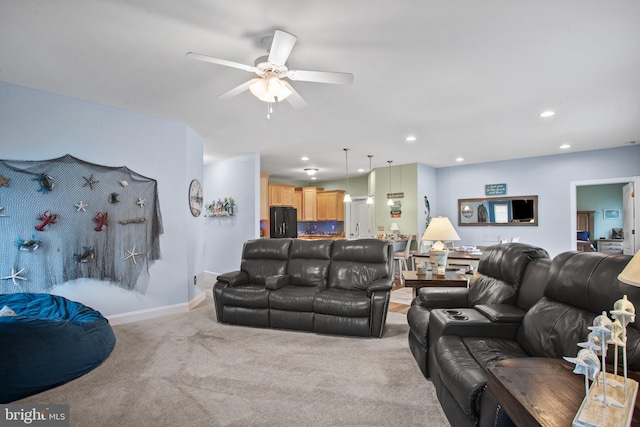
[(337, 287), (579, 287)]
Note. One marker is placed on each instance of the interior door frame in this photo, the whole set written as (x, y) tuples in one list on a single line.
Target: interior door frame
[(573, 196)]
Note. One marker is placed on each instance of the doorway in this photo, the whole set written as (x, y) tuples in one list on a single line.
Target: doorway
[(358, 219), (630, 210)]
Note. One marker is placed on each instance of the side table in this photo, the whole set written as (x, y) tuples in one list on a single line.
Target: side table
[(451, 279)]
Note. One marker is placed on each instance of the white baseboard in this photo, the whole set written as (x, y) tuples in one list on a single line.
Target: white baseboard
[(153, 313), (197, 300)]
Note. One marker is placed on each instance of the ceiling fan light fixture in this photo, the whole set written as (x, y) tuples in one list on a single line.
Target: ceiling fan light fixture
[(311, 171), (269, 89)]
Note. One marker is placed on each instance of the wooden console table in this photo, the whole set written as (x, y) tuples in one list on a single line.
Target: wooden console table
[(451, 279), (537, 391)]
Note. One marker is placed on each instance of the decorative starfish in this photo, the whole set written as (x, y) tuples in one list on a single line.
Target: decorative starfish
[(4, 182), (131, 254), (1, 214), (14, 275), (81, 206), (90, 181), (140, 202)]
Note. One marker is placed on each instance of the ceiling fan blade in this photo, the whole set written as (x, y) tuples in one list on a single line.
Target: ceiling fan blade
[(321, 77), (281, 47), (237, 90), (295, 99), (226, 63)]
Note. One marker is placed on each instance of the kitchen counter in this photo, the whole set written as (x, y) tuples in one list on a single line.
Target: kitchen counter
[(320, 236)]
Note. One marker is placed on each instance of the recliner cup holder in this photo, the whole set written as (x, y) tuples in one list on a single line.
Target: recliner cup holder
[(453, 312), (458, 317)]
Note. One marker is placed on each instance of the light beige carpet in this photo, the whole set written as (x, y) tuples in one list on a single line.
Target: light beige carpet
[(189, 370)]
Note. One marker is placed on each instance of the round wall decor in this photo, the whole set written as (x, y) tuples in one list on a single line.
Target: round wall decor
[(195, 197)]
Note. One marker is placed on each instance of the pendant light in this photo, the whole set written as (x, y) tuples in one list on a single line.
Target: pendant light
[(347, 196), (390, 201), (370, 198)]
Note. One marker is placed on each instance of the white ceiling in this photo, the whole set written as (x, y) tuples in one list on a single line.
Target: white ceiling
[(467, 77)]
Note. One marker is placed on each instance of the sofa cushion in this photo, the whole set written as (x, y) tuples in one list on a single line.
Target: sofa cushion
[(500, 273), (357, 263), (309, 263), (294, 298), (339, 302), (254, 296), (262, 258), (552, 329), (489, 351)]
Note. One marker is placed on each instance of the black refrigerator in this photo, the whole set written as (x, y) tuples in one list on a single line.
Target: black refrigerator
[(284, 222)]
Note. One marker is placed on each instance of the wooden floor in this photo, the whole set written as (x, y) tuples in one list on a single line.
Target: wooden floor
[(395, 306)]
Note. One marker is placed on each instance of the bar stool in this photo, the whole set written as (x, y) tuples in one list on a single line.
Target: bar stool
[(402, 257)]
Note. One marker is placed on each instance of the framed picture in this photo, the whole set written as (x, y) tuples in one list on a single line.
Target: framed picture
[(611, 213), (616, 233)]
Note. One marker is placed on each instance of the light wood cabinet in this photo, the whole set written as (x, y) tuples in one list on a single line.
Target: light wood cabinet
[(310, 203), (297, 203), (330, 205), (585, 222), (281, 195), (264, 196)]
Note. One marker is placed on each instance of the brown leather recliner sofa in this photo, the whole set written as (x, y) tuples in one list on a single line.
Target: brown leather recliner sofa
[(339, 287), (579, 287)]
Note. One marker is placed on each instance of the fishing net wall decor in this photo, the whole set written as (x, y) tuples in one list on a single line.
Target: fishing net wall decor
[(64, 219)]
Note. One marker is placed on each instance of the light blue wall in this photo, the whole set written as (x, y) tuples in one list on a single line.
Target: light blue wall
[(239, 178), (597, 198), (548, 177), (427, 186), (36, 125)]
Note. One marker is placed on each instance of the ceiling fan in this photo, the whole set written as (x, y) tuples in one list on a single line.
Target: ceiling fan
[(272, 70)]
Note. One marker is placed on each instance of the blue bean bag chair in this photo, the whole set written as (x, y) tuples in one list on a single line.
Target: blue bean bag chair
[(47, 340)]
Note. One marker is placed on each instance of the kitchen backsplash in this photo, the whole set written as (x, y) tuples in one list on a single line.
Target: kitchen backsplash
[(323, 228)]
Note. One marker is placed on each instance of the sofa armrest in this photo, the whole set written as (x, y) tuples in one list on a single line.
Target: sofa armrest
[(234, 278), (276, 282), (443, 297), (380, 285), (501, 313)]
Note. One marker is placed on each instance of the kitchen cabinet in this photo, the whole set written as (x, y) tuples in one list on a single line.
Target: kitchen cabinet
[(297, 203), (330, 205), (264, 196), (310, 203), (281, 195)]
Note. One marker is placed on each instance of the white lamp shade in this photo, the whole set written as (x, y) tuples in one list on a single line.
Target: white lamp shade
[(269, 89), (347, 198), (394, 227), (390, 202), (631, 273), (440, 229), (369, 200)]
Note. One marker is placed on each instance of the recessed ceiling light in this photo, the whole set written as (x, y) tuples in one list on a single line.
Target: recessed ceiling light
[(360, 170), (313, 177), (547, 113), (410, 138), (304, 158), (565, 146), (460, 159)]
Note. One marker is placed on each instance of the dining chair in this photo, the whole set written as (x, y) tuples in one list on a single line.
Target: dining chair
[(401, 258)]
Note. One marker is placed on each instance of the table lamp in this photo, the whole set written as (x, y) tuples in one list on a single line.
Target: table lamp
[(394, 228), (631, 273), (439, 230)]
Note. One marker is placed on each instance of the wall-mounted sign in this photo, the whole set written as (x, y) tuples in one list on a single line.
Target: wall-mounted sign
[(495, 189), (395, 195)]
